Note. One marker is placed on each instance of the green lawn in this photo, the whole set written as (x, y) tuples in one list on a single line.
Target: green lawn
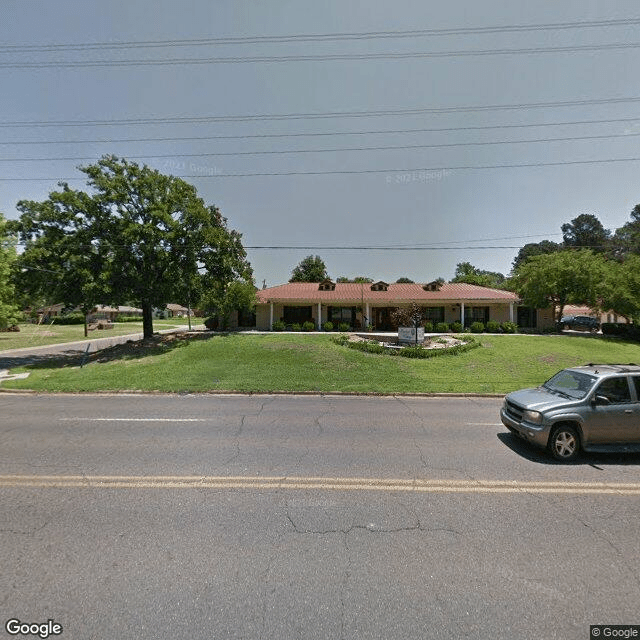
[(33, 335), (264, 363)]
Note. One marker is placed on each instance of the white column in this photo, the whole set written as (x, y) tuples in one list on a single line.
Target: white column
[(368, 319), (271, 316), (462, 313), (319, 318), (511, 312)]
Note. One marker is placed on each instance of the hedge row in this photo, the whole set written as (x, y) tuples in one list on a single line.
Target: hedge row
[(68, 318), (621, 330)]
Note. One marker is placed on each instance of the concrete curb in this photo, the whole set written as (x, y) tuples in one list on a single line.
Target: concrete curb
[(220, 392)]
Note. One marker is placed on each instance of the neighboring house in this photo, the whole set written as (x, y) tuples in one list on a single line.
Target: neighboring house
[(102, 312), (177, 311), (364, 304), (52, 311), (608, 316)]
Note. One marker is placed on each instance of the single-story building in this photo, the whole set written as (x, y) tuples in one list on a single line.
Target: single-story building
[(371, 304), (176, 311), (103, 312)]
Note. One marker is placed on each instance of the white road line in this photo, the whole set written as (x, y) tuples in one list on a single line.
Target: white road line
[(274, 483), (133, 419)]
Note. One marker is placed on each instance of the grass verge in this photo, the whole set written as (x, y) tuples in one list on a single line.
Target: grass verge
[(39, 335), (290, 363)]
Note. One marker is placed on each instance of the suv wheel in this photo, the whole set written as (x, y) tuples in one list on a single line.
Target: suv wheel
[(564, 443)]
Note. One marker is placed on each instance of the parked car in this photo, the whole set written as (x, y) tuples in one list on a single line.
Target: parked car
[(592, 408), (580, 323)]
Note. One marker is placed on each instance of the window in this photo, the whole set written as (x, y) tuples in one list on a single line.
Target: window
[(434, 314), (527, 317), (342, 314), (476, 314), (297, 315), (636, 382), (615, 390)]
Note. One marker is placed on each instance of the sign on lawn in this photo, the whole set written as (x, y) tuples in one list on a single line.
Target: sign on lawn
[(407, 335)]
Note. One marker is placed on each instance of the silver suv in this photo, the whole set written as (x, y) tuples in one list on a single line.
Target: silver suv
[(594, 408)]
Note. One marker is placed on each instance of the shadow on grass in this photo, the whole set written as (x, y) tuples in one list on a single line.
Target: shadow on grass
[(595, 460), (129, 350)]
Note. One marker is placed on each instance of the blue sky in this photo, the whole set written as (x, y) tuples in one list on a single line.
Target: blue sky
[(348, 191)]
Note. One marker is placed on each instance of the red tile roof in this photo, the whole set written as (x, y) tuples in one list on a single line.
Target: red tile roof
[(308, 292)]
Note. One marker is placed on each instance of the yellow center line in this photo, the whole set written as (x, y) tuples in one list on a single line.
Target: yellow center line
[(272, 483)]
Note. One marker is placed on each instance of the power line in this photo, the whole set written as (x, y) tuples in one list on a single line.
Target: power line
[(410, 170), (324, 134), (337, 149), (400, 247), (318, 37), (338, 57), (321, 115)]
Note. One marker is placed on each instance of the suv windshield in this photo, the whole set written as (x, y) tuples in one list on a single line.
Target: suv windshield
[(571, 384)]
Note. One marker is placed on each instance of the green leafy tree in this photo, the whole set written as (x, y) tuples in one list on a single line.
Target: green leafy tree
[(587, 232), (466, 272), (239, 295), (404, 280), (139, 236), (557, 279), (62, 262), (626, 240), (9, 312), (310, 269), (621, 290), (535, 249)]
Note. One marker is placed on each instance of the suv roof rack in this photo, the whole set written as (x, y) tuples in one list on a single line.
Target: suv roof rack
[(619, 367)]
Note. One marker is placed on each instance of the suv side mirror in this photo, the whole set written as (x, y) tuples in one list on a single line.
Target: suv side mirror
[(600, 401)]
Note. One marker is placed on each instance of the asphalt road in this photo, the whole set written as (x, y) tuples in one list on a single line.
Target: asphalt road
[(305, 517)]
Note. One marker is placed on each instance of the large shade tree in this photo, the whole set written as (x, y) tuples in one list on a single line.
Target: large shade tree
[(139, 236), (557, 279), (310, 269), (626, 240), (9, 312), (587, 232), (467, 273)]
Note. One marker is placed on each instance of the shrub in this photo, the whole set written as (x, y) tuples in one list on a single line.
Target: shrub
[(610, 329), (296, 326), (509, 327), (278, 325), (477, 327), (428, 326), (342, 340), (442, 327), (456, 327), (308, 326), (211, 323), (343, 326), (68, 318), (328, 326), (493, 326), (129, 318)]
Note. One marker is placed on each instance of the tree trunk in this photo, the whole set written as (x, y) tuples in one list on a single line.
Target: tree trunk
[(147, 319), (86, 327)]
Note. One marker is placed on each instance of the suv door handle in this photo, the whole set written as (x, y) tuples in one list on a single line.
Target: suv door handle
[(628, 410)]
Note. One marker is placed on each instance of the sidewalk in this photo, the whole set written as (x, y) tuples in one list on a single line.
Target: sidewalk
[(30, 355)]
